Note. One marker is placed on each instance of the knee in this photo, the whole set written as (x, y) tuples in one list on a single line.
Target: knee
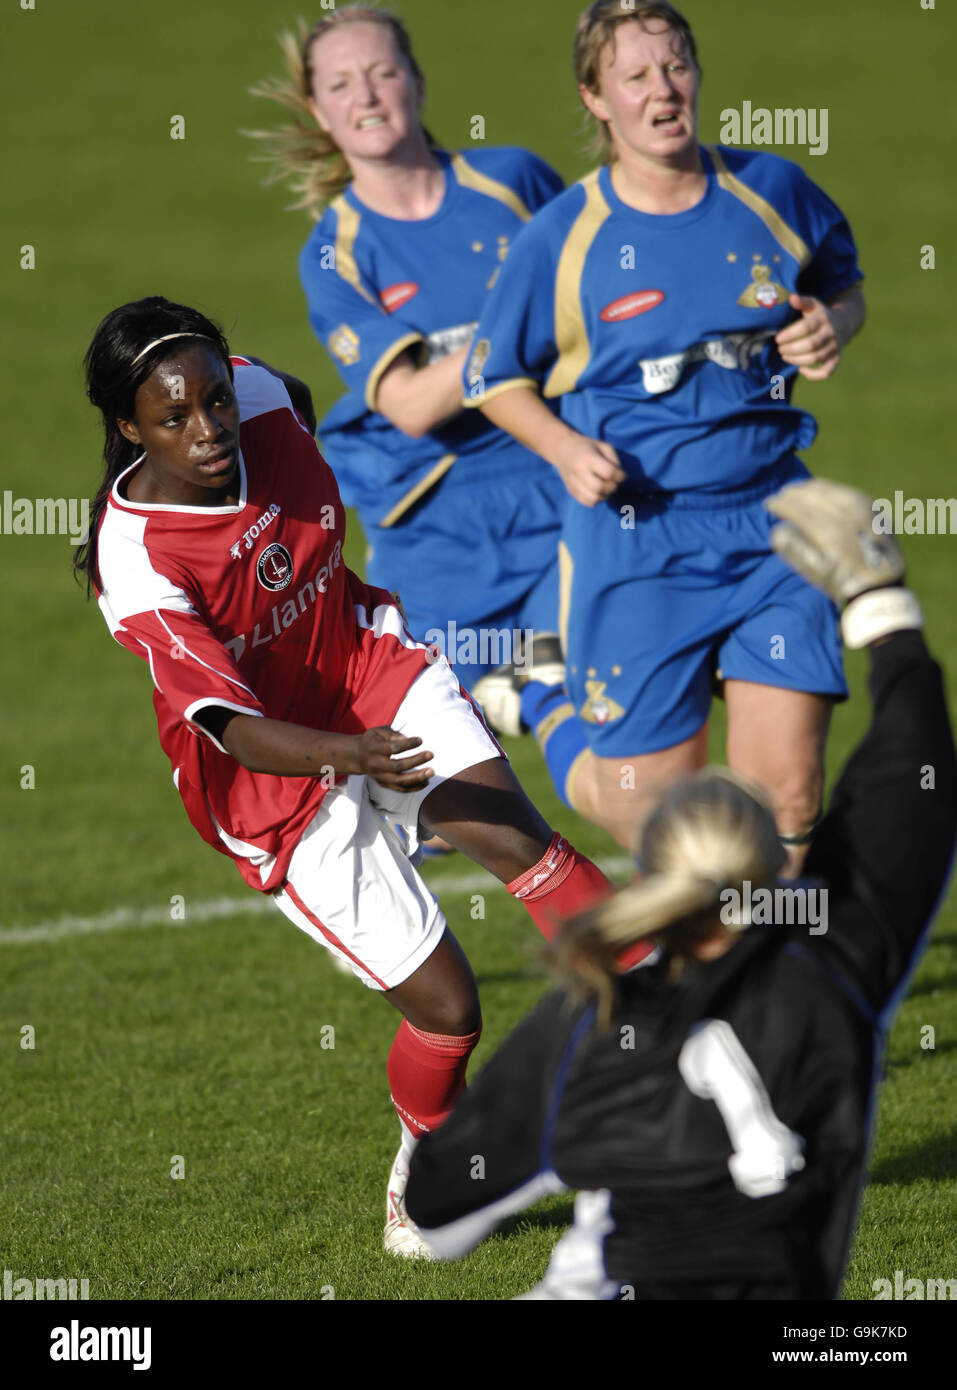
[(617, 797), (450, 1007), (451, 1018)]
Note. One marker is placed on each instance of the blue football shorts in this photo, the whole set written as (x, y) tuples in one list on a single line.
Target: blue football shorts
[(661, 597), (475, 562)]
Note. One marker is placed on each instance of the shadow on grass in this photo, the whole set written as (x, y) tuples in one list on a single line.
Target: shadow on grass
[(485, 978), (934, 1159), (544, 1220)]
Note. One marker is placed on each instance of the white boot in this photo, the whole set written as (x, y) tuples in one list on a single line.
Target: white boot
[(401, 1236)]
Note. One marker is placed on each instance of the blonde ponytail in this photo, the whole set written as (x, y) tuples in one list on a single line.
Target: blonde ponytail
[(711, 832)]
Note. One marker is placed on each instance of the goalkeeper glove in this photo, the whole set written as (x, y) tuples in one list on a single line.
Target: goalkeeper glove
[(826, 533)]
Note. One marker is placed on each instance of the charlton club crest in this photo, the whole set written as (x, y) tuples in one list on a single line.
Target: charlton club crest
[(274, 567)]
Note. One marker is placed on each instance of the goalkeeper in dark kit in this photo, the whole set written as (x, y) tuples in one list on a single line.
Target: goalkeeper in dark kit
[(713, 1109)]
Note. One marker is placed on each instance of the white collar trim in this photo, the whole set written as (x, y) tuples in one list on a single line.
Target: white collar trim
[(130, 505)]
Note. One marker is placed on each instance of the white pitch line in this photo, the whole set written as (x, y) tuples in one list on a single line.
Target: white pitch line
[(159, 916)]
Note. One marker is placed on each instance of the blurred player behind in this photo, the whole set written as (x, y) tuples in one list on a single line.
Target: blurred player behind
[(461, 520)]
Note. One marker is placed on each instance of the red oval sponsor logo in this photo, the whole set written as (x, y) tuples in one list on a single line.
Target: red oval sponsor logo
[(631, 305), (394, 296)]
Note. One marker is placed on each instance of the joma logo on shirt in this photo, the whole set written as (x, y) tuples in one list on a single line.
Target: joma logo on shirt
[(256, 530), (283, 615)]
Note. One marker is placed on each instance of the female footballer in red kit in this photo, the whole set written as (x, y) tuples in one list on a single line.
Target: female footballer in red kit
[(290, 697)]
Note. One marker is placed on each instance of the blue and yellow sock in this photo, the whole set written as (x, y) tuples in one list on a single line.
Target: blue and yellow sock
[(551, 716)]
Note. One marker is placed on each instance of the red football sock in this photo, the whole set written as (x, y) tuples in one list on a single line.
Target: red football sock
[(562, 883), (427, 1074)]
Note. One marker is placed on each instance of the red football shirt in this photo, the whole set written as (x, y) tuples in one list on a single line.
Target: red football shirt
[(251, 607)]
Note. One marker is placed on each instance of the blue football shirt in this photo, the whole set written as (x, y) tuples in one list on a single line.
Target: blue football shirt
[(377, 286), (655, 333)]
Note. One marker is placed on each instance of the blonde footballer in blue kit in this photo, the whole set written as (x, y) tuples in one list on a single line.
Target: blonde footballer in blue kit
[(666, 304), (460, 518)]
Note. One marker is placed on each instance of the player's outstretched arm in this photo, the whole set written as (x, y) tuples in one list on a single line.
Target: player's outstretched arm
[(292, 750), (888, 837)]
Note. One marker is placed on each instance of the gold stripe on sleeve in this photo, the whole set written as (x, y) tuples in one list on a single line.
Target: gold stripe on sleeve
[(420, 489), (492, 188), (571, 337), (347, 229), (772, 219), (385, 362), (470, 403)]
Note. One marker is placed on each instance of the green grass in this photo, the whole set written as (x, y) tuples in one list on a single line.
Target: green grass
[(204, 1038)]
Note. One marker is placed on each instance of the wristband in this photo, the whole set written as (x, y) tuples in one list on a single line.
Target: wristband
[(878, 613)]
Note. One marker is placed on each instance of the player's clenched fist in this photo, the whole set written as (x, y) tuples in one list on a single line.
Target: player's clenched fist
[(377, 759), (590, 470), (815, 341)]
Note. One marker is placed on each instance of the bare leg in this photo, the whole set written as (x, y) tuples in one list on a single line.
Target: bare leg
[(438, 846), (777, 737), (483, 812), (619, 793), (441, 996)]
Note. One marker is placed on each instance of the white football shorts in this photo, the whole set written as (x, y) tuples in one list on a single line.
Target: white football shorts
[(351, 884)]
